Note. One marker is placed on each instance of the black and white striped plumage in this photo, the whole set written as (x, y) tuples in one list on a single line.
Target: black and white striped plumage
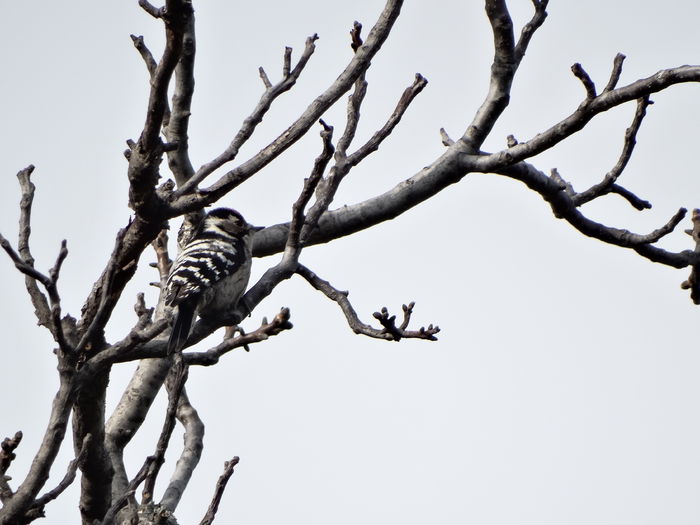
[(211, 272)]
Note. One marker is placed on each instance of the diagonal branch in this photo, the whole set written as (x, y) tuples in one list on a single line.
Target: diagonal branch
[(266, 330), (356, 67), (219, 491), (389, 332), (40, 503), (14, 510), (271, 93), (529, 29), (344, 163), (50, 283), (374, 142), (586, 112), (615, 73), (93, 335), (607, 185), (179, 374), (584, 77), (130, 490)]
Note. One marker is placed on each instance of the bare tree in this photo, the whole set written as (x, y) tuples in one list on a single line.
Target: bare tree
[(85, 357)]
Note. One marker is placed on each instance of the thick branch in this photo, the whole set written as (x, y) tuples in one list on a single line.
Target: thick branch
[(507, 57), (455, 163), (176, 126), (130, 413), (191, 452)]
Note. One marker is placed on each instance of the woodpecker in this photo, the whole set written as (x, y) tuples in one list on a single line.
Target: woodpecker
[(211, 272)]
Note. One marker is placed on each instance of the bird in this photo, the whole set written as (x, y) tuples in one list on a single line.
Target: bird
[(211, 272)]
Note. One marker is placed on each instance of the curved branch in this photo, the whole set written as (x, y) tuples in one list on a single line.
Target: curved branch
[(586, 112), (564, 207)]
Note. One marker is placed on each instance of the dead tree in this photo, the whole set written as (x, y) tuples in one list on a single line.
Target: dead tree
[(85, 357)]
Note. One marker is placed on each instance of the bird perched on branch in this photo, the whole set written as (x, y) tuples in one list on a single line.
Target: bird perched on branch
[(211, 272)]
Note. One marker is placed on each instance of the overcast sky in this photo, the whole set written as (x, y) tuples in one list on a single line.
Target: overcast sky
[(564, 387)]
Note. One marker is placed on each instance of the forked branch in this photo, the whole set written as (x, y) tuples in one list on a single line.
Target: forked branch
[(389, 332)]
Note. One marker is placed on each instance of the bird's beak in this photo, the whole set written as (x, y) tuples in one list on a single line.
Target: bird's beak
[(256, 229)]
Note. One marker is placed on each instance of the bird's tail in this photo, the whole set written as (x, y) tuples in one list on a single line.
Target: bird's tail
[(181, 327)]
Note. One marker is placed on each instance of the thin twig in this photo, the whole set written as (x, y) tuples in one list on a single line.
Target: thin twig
[(69, 476), (636, 202), (529, 29), (580, 73), (357, 66), (191, 452), (152, 10), (145, 53), (375, 141), (390, 331), (615, 73), (101, 317), (563, 207), (606, 185), (445, 138), (344, 163), (300, 221), (219, 491), (180, 373), (128, 494), (266, 330), (246, 130)]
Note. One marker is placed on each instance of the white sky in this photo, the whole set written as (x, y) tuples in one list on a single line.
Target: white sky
[(564, 385)]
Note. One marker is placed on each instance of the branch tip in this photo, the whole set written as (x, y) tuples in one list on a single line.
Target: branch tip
[(355, 39), (582, 75)]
